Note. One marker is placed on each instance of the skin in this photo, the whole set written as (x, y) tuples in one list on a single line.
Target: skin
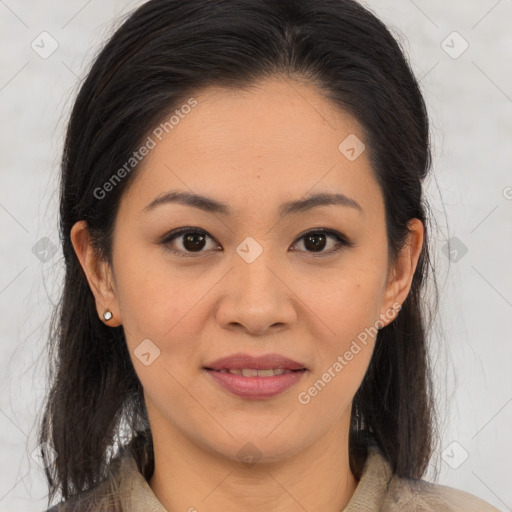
[(253, 150)]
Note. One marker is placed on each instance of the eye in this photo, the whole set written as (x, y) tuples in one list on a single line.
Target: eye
[(316, 240), (193, 240)]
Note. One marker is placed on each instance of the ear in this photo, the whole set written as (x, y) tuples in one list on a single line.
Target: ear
[(401, 274), (98, 272)]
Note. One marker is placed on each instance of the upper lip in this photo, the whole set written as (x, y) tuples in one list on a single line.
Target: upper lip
[(262, 362)]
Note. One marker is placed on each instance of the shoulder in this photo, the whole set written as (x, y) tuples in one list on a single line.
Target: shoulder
[(422, 496), (114, 492), (96, 500), (80, 503), (100, 498), (380, 489)]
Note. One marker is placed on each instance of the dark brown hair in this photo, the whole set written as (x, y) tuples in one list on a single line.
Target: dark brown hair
[(165, 52)]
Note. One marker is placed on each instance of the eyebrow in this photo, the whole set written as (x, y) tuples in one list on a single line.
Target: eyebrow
[(211, 205)]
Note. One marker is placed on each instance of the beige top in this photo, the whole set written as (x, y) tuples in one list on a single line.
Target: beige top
[(377, 491)]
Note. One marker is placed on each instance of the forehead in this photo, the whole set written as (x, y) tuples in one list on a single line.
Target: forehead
[(273, 142)]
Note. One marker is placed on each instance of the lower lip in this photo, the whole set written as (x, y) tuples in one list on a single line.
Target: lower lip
[(256, 387)]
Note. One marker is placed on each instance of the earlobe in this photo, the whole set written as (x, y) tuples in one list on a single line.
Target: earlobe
[(402, 273), (98, 274)]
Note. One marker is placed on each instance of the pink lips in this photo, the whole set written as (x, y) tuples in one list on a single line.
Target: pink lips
[(256, 387)]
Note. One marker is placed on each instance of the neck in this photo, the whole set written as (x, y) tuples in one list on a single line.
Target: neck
[(188, 477)]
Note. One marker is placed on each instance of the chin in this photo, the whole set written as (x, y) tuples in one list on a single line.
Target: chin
[(258, 448)]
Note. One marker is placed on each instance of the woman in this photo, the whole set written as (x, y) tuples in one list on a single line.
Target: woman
[(243, 321)]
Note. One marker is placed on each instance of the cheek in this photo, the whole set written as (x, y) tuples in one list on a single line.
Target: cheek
[(350, 301), (150, 294), (351, 313), (349, 309), (168, 304), (349, 306)]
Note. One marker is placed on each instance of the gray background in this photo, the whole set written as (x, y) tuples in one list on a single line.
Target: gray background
[(469, 97)]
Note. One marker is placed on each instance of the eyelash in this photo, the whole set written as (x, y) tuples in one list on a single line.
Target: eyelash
[(341, 239)]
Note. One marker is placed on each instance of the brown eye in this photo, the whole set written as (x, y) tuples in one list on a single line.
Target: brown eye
[(317, 241), (194, 241), (187, 240)]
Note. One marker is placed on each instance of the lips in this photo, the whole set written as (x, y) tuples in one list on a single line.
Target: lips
[(246, 365), (256, 377), (252, 372)]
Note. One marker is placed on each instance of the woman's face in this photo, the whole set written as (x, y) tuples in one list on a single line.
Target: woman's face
[(252, 281)]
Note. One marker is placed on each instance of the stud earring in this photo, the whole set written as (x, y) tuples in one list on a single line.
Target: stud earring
[(107, 315)]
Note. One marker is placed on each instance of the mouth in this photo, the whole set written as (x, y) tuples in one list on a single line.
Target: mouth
[(255, 376), (255, 383), (255, 372), (248, 363)]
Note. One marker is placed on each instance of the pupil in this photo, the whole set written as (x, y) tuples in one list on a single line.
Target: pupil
[(190, 241), (315, 244), (195, 242)]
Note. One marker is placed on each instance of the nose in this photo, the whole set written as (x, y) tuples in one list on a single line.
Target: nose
[(257, 297)]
